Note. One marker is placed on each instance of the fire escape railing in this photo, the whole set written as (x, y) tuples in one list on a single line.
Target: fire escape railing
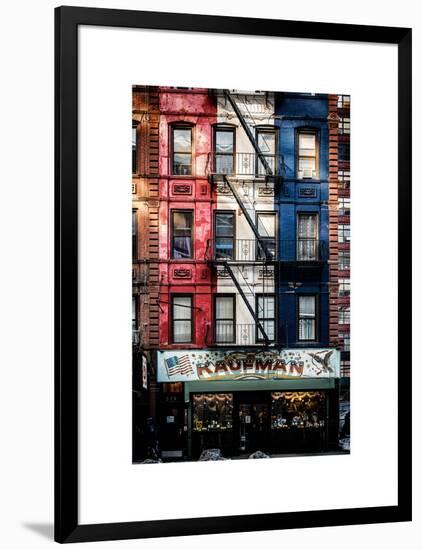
[(300, 251), (247, 303), (224, 167), (249, 134), (248, 218), (241, 250), (243, 164), (236, 334)]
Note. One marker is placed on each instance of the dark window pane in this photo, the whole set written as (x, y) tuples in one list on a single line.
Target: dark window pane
[(182, 247), (224, 225), (182, 223), (224, 233), (266, 249), (344, 151), (182, 164), (134, 315), (223, 248)]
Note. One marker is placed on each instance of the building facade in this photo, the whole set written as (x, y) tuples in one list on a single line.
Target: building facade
[(240, 346), (145, 261), (344, 243)]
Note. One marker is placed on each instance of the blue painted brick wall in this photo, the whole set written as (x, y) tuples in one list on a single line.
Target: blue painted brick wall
[(294, 111)]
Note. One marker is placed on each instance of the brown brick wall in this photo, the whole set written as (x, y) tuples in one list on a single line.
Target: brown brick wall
[(333, 212), (145, 114)]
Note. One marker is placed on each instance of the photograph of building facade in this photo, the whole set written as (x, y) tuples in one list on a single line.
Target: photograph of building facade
[(241, 259)]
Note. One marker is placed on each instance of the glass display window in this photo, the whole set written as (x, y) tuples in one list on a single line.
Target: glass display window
[(212, 412), (301, 410)]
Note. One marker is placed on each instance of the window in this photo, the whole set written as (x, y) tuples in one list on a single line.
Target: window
[(307, 237), (181, 231), (134, 150), (134, 234), (266, 144), (134, 314), (307, 155), (343, 287), (291, 410), (182, 151), (182, 319), (135, 331), (224, 235), (344, 179), (265, 305), (307, 317), (344, 126), (344, 152), (224, 151), (344, 206), (212, 412), (344, 260), (344, 315), (225, 330), (343, 101), (266, 224), (345, 338), (344, 233), (345, 369)]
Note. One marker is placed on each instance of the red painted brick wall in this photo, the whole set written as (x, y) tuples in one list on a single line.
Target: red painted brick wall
[(197, 108)]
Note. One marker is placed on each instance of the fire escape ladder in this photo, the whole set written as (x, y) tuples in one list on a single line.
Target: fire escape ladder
[(248, 305), (258, 237), (249, 134)]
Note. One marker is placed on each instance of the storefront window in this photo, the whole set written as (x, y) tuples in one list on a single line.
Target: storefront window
[(212, 412), (290, 410)]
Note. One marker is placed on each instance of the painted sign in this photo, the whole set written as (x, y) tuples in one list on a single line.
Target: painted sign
[(190, 365)]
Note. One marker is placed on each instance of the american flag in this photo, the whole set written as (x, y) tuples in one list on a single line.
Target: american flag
[(178, 365)]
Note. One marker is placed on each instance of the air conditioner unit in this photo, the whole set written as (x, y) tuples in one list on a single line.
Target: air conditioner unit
[(307, 173)]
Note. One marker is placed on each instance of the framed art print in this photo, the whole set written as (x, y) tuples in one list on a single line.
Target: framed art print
[(233, 292)]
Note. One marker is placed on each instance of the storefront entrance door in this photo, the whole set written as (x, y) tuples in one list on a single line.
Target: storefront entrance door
[(254, 423)]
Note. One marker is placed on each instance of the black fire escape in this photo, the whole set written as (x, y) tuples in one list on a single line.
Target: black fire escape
[(266, 169)]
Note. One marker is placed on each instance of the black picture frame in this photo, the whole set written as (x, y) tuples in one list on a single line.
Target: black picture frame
[(67, 20)]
